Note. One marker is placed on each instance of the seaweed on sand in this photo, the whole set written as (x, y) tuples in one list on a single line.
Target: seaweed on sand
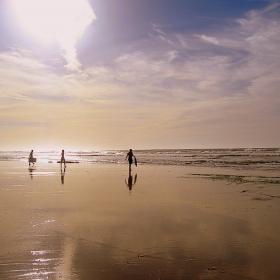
[(239, 179)]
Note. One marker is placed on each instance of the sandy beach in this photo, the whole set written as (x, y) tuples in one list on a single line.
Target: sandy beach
[(97, 221)]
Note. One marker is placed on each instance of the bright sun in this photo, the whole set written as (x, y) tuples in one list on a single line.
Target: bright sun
[(53, 19), (60, 20)]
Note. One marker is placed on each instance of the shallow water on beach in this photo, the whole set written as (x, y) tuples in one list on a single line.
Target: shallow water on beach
[(257, 158), (96, 221)]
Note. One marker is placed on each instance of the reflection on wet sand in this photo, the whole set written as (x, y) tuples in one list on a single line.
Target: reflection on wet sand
[(62, 173), (129, 182), (64, 268), (173, 227), (31, 169)]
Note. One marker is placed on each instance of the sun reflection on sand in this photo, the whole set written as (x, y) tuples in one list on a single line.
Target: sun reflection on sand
[(65, 268)]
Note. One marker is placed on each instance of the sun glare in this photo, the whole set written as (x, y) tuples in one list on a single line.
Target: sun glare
[(61, 20), (53, 19)]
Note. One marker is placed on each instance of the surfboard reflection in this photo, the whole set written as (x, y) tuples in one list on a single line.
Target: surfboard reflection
[(130, 182)]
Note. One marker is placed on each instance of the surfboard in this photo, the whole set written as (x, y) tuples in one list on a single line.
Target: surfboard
[(135, 161), (69, 161), (32, 159)]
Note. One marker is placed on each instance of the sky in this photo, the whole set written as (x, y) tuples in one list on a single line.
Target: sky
[(140, 74)]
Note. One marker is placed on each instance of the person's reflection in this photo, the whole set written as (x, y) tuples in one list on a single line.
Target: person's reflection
[(130, 181), (62, 173), (31, 169)]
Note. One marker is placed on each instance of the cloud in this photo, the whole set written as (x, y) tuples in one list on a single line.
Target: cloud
[(19, 72), (78, 16), (232, 64), (211, 40), (233, 82)]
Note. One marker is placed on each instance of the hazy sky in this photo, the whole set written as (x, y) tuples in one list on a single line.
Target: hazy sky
[(120, 74)]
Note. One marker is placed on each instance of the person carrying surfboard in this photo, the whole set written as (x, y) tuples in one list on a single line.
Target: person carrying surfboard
[(31, 159), (130, 157)]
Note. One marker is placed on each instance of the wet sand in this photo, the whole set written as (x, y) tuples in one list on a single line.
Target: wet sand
[(89, 222)]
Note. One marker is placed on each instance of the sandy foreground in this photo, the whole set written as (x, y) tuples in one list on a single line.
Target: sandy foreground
[(97, 221)]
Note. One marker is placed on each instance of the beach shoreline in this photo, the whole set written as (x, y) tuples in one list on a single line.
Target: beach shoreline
[(171, 222)]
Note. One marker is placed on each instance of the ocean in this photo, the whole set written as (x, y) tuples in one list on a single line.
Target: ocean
[(264, 158)]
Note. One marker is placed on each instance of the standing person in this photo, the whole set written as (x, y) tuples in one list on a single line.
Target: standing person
[(62, 160), (31, 159), (130, 158)]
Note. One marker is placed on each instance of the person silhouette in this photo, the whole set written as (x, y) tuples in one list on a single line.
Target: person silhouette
[(62, 160), (31, 159), (130, 157)]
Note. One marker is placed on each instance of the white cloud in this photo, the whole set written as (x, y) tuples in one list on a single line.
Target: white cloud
[(208, 39)]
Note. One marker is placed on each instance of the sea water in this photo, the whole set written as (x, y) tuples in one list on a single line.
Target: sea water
[(267, 158)]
